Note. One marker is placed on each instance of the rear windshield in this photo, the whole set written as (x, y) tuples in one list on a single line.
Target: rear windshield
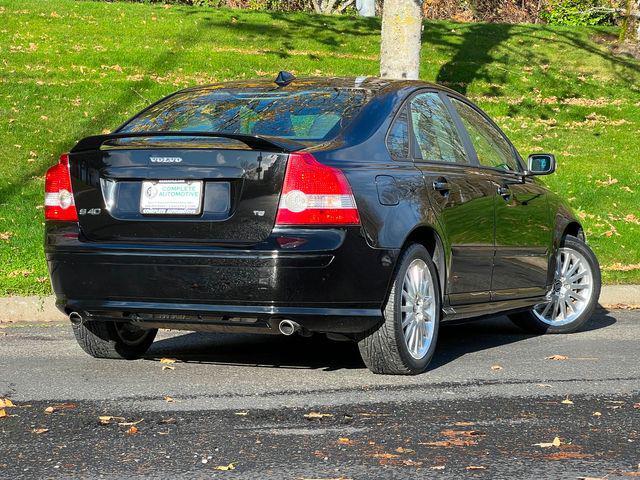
[(312, 115)]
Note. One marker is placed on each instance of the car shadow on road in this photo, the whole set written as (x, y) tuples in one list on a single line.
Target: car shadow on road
[(317, 352)]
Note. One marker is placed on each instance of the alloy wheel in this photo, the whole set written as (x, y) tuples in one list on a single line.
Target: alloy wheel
[(571, 292), (418, 309)]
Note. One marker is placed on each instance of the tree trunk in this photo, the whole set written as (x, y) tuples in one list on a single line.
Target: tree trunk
[(366, 8), (401, 32)]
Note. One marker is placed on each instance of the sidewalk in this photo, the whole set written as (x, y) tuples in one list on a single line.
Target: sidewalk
[(42, 309)]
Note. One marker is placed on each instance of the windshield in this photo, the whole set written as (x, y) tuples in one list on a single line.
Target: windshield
[(317, 114)]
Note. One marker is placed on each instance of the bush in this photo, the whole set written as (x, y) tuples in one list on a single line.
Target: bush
[(579, 12)]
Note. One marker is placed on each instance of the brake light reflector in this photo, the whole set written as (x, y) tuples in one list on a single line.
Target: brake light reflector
[(58, 195), (315, 194)]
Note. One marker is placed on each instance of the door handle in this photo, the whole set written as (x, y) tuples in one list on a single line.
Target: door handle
[(504, 191), (441, 185)]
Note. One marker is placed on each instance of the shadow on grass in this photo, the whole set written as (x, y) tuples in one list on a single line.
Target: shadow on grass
[(318, 353)]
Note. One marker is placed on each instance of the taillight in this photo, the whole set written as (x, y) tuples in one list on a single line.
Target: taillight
[(315, 194), (58, 195)]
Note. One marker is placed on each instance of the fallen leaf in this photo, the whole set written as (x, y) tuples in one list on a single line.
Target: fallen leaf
[(169, 399), (168, 367), (129, 424), (167, 360), (5, 403), (38, 431), (404, 450), (597, 414), (567, 456), (556, 443), (312, 415), (496, 367), (132, 430), (345, 441), (557, 357), (224, 468), (107, 419), (385, 455), (462, 433), (566, 401), (3, 414), (61, 406)]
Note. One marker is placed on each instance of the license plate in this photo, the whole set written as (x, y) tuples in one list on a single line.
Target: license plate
[(171, 197)]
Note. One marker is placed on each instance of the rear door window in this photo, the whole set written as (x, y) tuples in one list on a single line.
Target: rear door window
[(398, 137), (492, 149), (317, 114), (435, 132)]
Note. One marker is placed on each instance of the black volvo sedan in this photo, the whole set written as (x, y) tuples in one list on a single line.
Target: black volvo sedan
[(362, 208)]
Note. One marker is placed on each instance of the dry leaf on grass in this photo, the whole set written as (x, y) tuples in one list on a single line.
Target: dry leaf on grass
[(3, 413), (168, 399), (557, 357), (345, 441), (566, 401), (6, 403), (224, 468), (597, 414), (312, 415), (39, 431), (556, 443), (132, 430)]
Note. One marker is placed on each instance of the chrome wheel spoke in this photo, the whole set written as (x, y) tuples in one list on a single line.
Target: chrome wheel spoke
[(417, 308), (572, 289)]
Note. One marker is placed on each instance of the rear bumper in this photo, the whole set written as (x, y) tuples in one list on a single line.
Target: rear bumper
[(325, 279)]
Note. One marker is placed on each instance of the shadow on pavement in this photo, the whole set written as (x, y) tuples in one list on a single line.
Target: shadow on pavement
[(275, 351)]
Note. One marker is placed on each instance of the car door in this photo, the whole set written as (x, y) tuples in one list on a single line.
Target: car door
[(523, 227), (463, 201)]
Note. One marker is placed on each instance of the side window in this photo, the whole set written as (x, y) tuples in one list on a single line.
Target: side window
[(491, 147), (398, 138), (435, 131)]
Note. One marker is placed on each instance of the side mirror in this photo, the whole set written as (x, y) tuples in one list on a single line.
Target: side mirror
[(541, 164)]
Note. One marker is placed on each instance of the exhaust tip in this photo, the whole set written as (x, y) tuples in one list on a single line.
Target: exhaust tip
[(287, 327), (75, 318)]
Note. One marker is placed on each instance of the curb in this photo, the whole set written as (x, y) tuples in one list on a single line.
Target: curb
[(36, 309)]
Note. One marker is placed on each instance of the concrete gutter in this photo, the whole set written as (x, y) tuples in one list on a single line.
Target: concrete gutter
[(42, 309)]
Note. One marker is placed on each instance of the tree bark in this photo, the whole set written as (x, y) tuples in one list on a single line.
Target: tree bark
[(366, 8), (401, 32)]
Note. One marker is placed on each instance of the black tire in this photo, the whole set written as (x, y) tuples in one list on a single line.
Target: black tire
[(383, 348), (110, 340), (530, 323)]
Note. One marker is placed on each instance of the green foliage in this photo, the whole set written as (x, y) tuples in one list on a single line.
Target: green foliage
[(66, 73), (579, 12)]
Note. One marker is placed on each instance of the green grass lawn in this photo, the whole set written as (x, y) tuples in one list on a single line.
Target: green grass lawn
[(70, 69)]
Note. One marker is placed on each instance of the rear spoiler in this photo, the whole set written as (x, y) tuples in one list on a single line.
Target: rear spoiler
[(255, 142)]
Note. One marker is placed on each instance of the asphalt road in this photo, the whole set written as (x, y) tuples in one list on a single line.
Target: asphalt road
[(491, 396)]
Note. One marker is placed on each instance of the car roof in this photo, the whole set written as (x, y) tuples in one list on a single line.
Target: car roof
[(374, 85)]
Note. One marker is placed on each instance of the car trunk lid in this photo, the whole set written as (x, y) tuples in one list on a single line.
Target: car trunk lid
[(179, 187)]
